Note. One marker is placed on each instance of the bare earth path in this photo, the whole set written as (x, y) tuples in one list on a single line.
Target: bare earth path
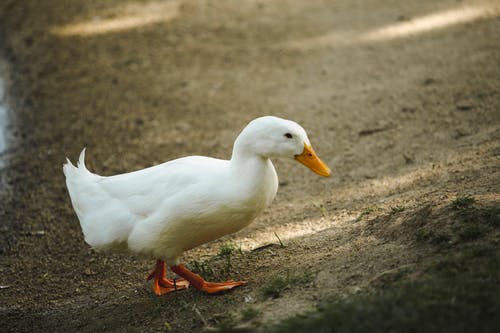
[(400, 98)]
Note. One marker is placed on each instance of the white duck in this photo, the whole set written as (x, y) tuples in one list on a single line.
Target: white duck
[(167, 209)]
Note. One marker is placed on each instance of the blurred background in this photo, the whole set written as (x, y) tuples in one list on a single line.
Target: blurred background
[(400, 99)]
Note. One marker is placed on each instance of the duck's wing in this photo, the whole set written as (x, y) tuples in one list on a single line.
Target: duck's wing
[(109, 207), (143, 190)]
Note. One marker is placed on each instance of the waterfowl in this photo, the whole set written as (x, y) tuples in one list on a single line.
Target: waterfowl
[(164, 210)]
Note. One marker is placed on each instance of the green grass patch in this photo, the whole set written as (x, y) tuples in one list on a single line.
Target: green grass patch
[(461, 203), (203, 268), (276, 286), (321, 208), (226, 251), (367, 211), (249, 313), (228, 248), (397, 209)]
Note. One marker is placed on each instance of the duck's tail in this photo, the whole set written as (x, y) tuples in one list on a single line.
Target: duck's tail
[(79, 181), (101, 226), (71, 171), (81, 187)]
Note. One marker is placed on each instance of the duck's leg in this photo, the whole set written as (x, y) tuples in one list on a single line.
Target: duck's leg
[(199, 283), (162, 285)]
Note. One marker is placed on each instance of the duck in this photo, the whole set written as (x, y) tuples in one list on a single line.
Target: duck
[(162, 211)]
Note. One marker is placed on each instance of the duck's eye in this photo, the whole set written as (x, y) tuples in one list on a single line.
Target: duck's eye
[(288, 135)]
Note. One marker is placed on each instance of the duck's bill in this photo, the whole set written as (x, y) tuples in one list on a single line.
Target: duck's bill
[(312, 161)]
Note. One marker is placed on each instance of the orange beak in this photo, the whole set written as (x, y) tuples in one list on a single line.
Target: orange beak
[(312, 161)]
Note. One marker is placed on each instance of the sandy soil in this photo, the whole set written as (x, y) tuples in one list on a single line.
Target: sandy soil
[(400, 98)]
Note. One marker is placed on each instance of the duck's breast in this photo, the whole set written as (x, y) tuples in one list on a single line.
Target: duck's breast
[(214, 206)]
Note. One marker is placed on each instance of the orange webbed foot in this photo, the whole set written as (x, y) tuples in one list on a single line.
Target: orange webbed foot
[(217, 287), (199, 283)]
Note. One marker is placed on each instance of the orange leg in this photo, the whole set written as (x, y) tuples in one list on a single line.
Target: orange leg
[(162, 285), (199, 283)]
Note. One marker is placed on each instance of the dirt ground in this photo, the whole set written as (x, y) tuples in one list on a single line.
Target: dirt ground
[(400, 98)]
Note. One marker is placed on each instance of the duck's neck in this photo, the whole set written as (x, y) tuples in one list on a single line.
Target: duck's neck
[(246, 164), (251, 168)]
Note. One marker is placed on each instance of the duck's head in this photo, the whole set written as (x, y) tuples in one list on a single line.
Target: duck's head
[(272, 137)]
